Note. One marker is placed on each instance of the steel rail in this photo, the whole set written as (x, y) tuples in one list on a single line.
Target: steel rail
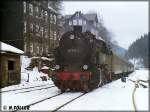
[(68, 102), (35, 89), (24, 88)]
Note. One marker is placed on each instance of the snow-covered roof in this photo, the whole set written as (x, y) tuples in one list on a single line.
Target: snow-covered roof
[(8, 48)]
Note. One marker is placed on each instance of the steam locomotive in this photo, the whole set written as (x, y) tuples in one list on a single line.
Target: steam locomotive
[(84, 63)]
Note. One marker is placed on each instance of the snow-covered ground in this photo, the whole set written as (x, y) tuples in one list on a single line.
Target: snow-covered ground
[(116, 95)]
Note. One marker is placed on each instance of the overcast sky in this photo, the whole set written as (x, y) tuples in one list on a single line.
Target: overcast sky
[(127, 20)]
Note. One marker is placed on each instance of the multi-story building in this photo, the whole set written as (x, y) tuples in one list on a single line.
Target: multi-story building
[(30, 25), (87, 21)]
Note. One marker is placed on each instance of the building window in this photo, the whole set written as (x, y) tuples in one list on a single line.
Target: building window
[(41, 51), (38, 50), (25, 26), (36, 11), (41, 31), (95, 24), (37, 28), (54, 19), (50, 3), (30, 9), (46, 49), (74, 22), (31, 27), (46, 33), (84, 22), (24, 7), (51, 18), (45, 14), (70, 23), (80, 21), (11, 65), (25, 47), (51, 34), (31, 47), (55, 38), (41, 13), (93, 31), (77, 14)]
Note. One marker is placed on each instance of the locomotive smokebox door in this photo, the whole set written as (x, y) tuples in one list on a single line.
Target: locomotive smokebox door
[(123, 79), (77, 28)]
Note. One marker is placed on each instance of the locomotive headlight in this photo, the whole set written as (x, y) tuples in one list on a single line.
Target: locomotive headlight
[(85, 67), (57, 67), (72, 37)]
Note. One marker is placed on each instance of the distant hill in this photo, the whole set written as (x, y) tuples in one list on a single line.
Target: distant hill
[(119, 50), (139, 49)]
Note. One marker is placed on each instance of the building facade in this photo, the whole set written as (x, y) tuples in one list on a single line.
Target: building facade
[(31, 26), (87, 21), (10, 66)]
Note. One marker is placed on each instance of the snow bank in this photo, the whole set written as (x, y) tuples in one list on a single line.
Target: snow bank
[(30, 75), (140, 75), (25, 62), (137, 62)]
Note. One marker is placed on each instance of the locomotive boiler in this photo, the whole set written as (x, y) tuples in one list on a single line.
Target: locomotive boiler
[(84, 62)]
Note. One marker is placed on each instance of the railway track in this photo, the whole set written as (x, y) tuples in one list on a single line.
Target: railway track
[(44, 99), (35, 89), (66, 103), (51, 97), (24, 88)]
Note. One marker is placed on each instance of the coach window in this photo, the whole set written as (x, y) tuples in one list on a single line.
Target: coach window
[(97, 58)]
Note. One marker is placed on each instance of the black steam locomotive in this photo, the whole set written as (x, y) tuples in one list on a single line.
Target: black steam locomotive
[(84, 62)]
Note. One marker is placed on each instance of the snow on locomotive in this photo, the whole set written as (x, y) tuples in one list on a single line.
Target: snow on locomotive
[(84, 62)]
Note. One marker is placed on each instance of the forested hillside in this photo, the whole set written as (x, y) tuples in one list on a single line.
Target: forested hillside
[(139, 50)]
